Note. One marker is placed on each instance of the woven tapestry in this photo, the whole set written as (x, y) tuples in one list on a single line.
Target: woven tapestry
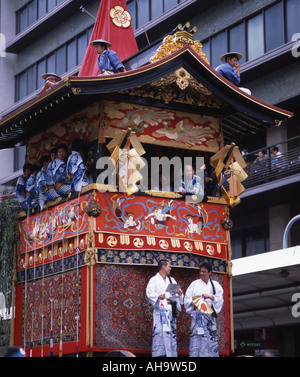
[(55, 299), (123, 315)]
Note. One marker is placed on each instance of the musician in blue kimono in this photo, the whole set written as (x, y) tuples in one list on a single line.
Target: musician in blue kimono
[(40, 181), (164, 337), (190, 183), (21, 186), (57, 174), (30, 188), (76, 172)]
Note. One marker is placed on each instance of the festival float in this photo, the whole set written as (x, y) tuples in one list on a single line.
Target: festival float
[(83, 262)]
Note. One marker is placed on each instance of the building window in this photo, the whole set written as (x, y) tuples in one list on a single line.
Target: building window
[(237, 40), (257, 35), (274, 26), (292, 12), (59, 61), (32, 11), (219, 43), (143, 11), (250, 241)]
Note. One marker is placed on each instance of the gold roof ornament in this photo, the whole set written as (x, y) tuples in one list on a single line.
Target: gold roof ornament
[(180, 38)]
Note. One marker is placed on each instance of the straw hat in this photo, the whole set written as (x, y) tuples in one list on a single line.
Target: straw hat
[(224, 56), (108, 44), (45, 76)]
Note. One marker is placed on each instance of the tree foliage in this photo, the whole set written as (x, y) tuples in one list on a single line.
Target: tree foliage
[(8, 237)]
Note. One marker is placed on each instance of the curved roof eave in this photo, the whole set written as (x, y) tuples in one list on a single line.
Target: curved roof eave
[(55, 103)]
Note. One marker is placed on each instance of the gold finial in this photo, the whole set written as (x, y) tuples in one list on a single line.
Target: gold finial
[(181, 37)]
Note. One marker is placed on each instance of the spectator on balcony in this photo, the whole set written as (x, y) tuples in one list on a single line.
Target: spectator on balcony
[(260, 158), (277, 158)]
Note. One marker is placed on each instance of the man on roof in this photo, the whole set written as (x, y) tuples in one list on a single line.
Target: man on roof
[(51, 79), (230, 68), (108, 61)]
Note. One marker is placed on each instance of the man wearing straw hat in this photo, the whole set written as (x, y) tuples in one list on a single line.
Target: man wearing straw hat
[(51, 79), (203, 301), (108, 61), (230, 69)]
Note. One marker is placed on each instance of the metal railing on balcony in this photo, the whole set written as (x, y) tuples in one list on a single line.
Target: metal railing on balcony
[(267, 166)]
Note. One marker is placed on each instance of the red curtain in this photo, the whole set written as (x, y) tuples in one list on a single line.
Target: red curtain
[(113, 24)]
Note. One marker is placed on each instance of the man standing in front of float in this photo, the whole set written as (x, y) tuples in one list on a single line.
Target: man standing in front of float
[(203, 301), (165, 304)]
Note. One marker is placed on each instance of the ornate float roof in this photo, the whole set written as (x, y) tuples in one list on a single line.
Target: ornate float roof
[(183, 80)]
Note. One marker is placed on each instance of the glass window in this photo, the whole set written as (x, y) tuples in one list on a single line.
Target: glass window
[(255, 243), (22, 22), (61, 60), (31, 79), (170, 4), (156, 8), (255, 35), (41, 68), (132, 10), (71, 55), (143, 13), (81, 47), (292, 18), (51, 64), (274, 28), (22, 85), (218, 48), (237, 40), (237, 246), (32, 12), (42, 8), (51, 5), (205, 49), (19, 157)]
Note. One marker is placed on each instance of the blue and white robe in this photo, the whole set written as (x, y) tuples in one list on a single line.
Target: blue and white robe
[(50, 190), (20, 192), (76, 169), (59, 174), (30, 189), (164, 336), (203, 332), (40, 185), (192, 186)]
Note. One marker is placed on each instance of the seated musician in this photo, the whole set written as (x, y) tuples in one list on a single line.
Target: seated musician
[(21, 186), (76, 172), (30, 188), (57, 174), (40, 181), (59, 171)]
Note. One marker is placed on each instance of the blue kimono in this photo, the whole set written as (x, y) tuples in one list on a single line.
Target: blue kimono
[(109, 61), (20, 192), (51, 193), (59, 174), (227, 71), (30, 189), (40, 186), (76, 172), (191, 186)]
